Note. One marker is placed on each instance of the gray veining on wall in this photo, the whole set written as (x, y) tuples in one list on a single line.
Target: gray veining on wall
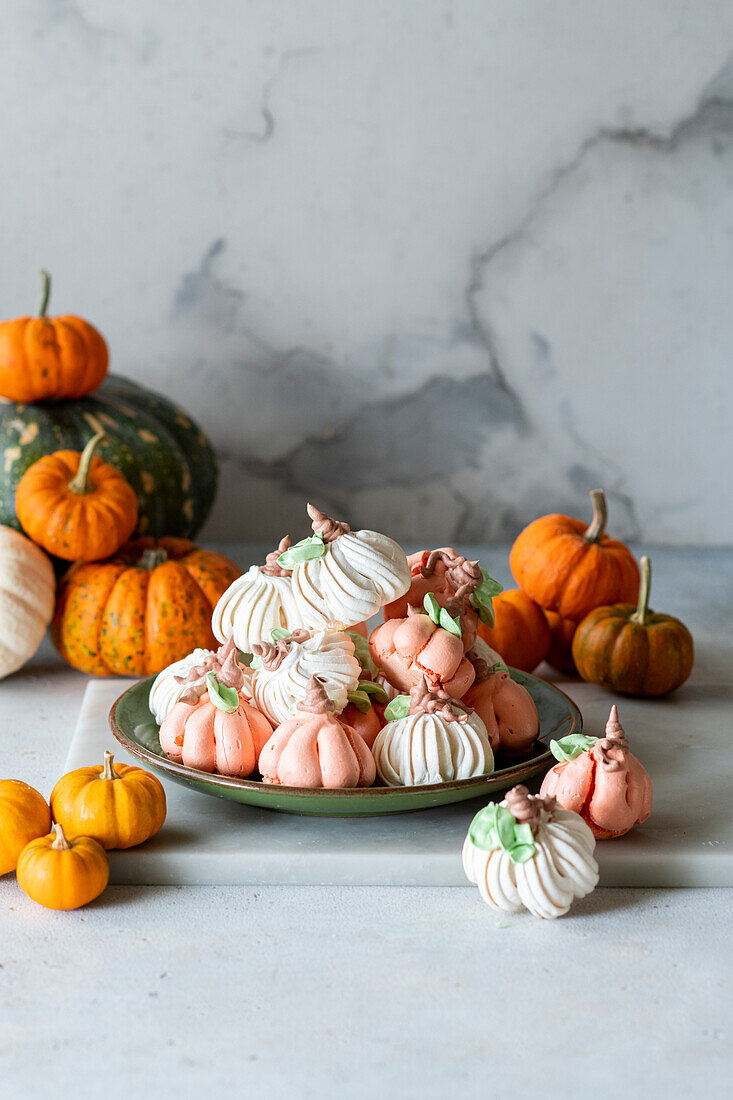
[(440, 266)]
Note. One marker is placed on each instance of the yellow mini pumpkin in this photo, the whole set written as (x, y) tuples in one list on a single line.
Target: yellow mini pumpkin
[(24, 815), (62, 874), (117, 805)]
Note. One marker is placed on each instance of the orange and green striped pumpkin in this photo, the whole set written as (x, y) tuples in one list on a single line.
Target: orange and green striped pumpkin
[(137, 612)]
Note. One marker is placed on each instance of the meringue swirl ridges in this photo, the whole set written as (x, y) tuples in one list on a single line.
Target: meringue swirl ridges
[(327, 654), (252, 606)]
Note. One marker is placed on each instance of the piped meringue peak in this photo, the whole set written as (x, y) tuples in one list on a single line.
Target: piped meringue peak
[(316, 699), (329, 529), (614, 746)]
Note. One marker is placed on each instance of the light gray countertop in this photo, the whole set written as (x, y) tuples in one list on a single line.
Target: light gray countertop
[(356, 992)]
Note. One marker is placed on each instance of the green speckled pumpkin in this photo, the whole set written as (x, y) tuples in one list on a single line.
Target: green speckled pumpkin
[(165, 456)]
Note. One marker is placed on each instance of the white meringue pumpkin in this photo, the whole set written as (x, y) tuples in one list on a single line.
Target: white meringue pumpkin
[(167, 690), (543, 868), (437, 742), (327, 654), (259, 601)]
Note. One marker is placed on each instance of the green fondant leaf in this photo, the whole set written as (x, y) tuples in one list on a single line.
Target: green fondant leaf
[(306, 550), (360, 699), (567, 748), (278, 633), (432, 607), (244, 658), (482, 830), (397, 709), (523, 833), (482, 597), (446, 620), (520, 853), (380, 695), (256, 663), (505, 823), (224, 698), (361, 652)]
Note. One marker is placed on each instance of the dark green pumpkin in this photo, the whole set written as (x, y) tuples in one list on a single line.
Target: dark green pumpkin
[(165, 456)]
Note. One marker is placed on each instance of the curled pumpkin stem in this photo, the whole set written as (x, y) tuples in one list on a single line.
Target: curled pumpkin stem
[(108, 771), (80, 481), (60, 844), (642, 612), (329, 529), (272, 567), (597, 526), (45, 292)]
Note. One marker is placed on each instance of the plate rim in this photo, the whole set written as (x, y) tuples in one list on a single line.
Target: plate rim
[(231, 782)]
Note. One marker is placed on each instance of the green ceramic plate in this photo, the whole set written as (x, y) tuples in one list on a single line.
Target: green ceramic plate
[(133, 726)]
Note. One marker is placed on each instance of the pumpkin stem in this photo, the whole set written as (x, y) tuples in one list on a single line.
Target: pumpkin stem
[(60, 844), (45, 292), (600, 516), (151, 559), (80, 481), (642, 608), (109, 766)]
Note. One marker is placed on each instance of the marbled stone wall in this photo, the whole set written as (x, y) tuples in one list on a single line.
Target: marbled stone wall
[(439, 266)]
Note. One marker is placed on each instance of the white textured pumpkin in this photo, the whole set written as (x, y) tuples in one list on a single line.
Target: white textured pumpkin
[(27, 598), (359, 572), (427, 748), (166, 691), (562, 868), (327, 654), (253, 606)]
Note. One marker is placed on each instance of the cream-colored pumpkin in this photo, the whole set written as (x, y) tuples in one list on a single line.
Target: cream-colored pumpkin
[(27, 595)]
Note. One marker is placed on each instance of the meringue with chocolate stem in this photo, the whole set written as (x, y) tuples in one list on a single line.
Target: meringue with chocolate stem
[(283, 667), (258, 602), (601, 780), (341, 577), (187, 678), (528, 851), (439, 740)]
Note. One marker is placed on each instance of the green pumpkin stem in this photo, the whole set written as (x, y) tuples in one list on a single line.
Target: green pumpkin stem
[(151, 559), (642, 612), (45, 292), (597, 525), (109, 766), (60, 844), (80, 481)]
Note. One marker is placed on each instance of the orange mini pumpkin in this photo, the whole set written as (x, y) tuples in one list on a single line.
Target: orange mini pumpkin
[(521, 633), (570, 568), (560, 650), (50, 358), (62, 874), (117, 805), (75, 505), (138, 612), (633, 650), (24, 815)]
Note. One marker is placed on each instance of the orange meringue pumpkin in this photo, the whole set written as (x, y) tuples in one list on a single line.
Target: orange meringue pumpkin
[(600, 780), (505, 707), (315, 749)]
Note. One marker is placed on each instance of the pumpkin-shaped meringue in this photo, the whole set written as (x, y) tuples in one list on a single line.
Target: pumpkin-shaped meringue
[(455, 582), (600, 780), (258, 602), (429, 644), (283, 668), (342, 577), (187, 679), (439, 740), (506, 708), (218, 731), (314, 749), (527, 851)]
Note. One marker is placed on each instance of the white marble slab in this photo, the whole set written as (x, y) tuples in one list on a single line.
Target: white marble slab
[(688, 841)]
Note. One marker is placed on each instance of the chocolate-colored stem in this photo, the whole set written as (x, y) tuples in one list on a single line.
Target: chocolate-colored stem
[(80, 481), (597, 525), (316, 699), (272, 567), (527, 808), (427, 700), (642, 612), (614, 745), (329, 529)]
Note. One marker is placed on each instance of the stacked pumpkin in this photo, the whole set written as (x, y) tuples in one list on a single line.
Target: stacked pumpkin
[(132, 464), (580, 606)]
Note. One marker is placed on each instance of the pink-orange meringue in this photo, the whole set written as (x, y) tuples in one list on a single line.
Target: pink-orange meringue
[(605, 784), (314, 749), (200, 735), (506, 708), (407, 649)]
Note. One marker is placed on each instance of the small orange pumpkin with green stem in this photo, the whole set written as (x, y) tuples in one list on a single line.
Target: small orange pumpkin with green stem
[(62, 874), (117, 805), (75, 505), (50, 358), (633, 650)]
